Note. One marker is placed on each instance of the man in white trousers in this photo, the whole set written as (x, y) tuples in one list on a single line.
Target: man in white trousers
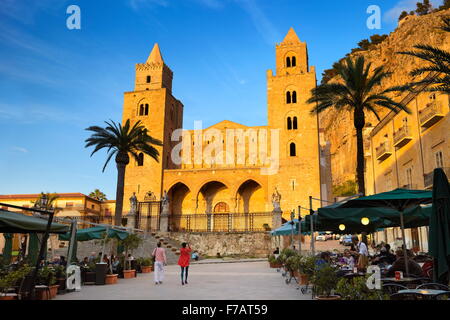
[(160, 261)]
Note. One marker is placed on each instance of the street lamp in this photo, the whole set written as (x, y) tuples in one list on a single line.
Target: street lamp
[(342, 227), (292, 227), (42, 204), (365, 221)]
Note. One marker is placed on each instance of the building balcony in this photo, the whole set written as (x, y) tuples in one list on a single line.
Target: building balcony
[(429, 177), (431, 114), (383, 151), (402, 137)]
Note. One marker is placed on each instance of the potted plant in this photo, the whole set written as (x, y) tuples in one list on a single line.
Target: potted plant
[(10, 278), (47, 277), (130, 243), (307, 265), (146, 265), (356, 289), (61, 277), (325, 281), (111, 278), (274, 262)]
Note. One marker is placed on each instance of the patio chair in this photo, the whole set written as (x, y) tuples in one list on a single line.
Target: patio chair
[(442, 296), (392, 288), (406, 296), (434, 286)]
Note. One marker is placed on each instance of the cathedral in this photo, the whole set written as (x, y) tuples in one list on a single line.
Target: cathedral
[(214, 179)]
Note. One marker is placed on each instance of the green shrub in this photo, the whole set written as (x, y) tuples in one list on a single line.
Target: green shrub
[(357, 290), (286, 253), (325, 280), (46, 276)]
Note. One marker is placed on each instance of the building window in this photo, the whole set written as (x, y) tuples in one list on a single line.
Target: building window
[(288, 62), (141, 110), (288, 97), (92, 207), (409, 178), (439, 159), (294, 97), (69, 204), (433, 96), (294, 61), (146, 109), (293, 150), (149, 79), (295, 124), (289, 123), (140, 160)]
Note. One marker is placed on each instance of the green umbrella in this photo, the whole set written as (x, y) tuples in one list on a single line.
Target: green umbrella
[(72, 249), (95, 233), (13, 222), (33, 248), (439, 235), (7, 249), (400, 200)]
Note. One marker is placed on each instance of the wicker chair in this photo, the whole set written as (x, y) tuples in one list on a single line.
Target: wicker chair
[(392, 288), (434, 286)]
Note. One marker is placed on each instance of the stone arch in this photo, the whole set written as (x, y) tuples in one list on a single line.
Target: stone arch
[(210, 194), (143, 108), (250, 197), (180, 196)]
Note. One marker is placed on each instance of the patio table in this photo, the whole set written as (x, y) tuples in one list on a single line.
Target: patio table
[(393, 279), (428, 293)]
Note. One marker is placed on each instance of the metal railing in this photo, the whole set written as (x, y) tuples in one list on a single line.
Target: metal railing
[(383, 149), (432, 109), (429, 178), (402, 133), (221, 222)]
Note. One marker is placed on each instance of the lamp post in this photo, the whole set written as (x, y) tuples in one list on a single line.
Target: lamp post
[(299, 230), (42, 204), (292, 227)]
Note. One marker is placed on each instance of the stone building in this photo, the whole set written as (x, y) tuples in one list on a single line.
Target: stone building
[(228, 172)]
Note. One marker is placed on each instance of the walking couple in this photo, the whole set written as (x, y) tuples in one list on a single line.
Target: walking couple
[(159, 255)]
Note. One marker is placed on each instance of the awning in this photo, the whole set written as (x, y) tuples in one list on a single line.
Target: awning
[(13, 222), (95, 233)]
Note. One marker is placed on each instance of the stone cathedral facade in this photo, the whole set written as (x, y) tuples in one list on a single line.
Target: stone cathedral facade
[(228, 169)]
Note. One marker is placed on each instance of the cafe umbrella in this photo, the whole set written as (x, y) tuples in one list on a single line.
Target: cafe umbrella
[(400, 200), (439, 235)]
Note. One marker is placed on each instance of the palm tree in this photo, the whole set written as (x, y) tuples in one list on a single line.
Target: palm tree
[(359, 92), (50, 200), (438, 69), (97, 194), (121, 141)]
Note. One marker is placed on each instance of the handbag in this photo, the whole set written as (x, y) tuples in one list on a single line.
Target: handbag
[(154, 256)]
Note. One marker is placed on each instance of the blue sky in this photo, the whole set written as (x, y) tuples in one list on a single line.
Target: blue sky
[(55, 82)]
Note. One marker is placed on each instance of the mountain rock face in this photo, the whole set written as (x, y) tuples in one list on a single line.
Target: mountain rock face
[(338, 126)]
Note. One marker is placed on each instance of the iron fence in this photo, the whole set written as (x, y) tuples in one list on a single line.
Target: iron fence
[(148, 216), (221, 222)]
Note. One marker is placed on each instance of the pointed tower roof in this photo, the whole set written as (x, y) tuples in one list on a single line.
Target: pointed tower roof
[(291, 37), (155, 56)]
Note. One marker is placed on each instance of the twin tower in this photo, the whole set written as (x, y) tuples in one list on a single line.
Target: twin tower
[(240, 186)]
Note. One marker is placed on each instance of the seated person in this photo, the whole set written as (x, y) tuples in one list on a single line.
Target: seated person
[(347, 260), (195, 255), (85, 262), (62, 261), (399, 265), (427, 269), (324, 259), (385, 256)]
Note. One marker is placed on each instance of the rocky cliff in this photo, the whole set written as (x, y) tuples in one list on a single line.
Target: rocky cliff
[(338, 127)]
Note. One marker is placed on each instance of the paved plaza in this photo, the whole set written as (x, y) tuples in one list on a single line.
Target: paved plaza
[(215, 281)]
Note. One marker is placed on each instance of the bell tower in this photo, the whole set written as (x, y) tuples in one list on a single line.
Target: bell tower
[(161, 113), (287, 92)]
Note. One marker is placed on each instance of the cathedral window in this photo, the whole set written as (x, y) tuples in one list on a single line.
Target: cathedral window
[(288, 62), (288, 97), (146, 109), (289, 123), (140, 160), (294, 61), (295, 124), (149, 79), (141, 110), (294, 97), (293, 150)]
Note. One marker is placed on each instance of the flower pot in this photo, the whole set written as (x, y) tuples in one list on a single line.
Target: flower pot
[(329, 298), (7, 297), (111, 279), (303, 279), (146, 269), (128, 274), (53, 290), (275, 265), (42, 294)]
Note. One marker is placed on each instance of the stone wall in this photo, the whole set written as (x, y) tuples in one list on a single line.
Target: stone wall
[(209, 244)]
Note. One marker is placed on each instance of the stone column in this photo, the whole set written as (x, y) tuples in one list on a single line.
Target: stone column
[(276, 218), (131, 220), (164, 219)]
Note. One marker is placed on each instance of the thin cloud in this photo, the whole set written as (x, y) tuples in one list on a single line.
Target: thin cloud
[(19, 149), (262, 24), (405, 5)]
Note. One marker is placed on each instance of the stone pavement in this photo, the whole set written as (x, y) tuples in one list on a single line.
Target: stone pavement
[(218, 281)]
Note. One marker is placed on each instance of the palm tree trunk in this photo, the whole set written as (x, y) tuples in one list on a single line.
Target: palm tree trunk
[(360, 163), (119, 193)]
